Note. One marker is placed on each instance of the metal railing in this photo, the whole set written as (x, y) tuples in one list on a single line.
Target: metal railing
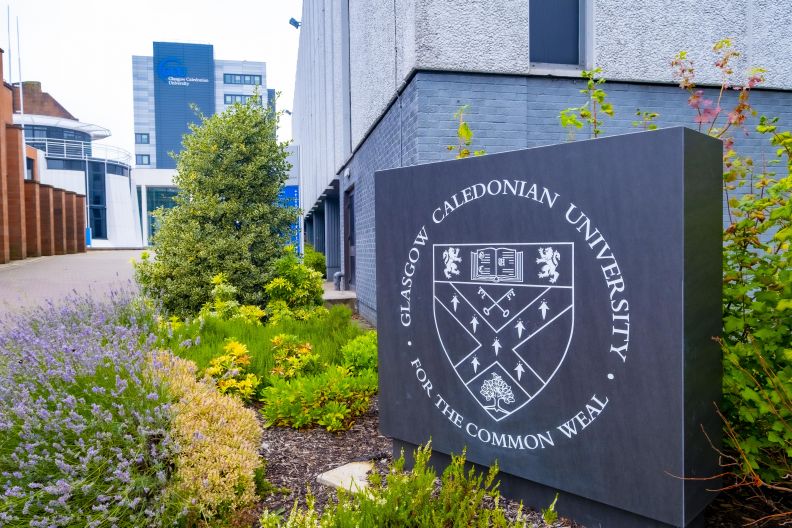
[(79, 150)]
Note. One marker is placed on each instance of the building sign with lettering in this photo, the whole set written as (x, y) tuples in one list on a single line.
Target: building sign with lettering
[(552, 309)]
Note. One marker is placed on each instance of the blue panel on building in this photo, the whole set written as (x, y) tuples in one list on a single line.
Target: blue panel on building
[(183, 75), (290, 197)]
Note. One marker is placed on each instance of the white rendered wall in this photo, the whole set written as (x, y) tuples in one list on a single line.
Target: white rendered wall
[(123, 227), (636, 40), (70, 180)]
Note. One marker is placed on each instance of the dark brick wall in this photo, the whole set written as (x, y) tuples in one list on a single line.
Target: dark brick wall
[(393, 143), (506, 113)]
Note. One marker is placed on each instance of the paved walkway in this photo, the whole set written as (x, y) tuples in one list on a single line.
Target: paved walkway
[(31, 282)]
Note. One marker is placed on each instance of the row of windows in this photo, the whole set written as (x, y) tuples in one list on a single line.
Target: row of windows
[(142, 159), (65, 164), (234, 78), (239, 98), (43, 132), (141, 139), (79, 165)]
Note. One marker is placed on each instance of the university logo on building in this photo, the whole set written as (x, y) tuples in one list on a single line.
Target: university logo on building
[(504, 314)]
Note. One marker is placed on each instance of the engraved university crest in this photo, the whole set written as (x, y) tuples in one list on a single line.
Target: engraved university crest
[(504, 315)]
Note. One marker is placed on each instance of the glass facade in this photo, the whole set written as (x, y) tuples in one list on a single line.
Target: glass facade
[(157, 197)]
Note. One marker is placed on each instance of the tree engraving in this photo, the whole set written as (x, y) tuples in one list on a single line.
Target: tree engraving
[(497, 390)]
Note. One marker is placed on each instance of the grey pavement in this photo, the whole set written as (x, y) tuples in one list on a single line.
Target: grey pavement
[(31, 282)]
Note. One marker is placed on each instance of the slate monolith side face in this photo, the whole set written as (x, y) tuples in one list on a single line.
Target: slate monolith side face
[(552, 309)]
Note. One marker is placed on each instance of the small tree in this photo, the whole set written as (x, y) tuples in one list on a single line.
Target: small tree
[(497, 390), (227, 217)]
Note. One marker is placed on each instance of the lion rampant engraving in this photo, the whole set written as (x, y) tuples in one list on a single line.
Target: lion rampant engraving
[(549, 258), (451, 257)]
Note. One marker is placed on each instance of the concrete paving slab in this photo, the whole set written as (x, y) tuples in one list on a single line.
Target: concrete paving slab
[(351, 477), (31, 282)]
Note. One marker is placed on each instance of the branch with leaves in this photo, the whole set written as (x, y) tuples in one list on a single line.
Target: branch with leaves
[(464, 136), (592, 110)]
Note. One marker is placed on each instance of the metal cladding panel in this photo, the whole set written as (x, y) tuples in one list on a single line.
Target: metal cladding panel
[(553, 309), (183, 76)]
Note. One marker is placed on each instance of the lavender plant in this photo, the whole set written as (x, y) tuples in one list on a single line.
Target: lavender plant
[(84, 435)]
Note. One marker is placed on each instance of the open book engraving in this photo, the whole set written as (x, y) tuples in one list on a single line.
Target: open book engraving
[(496, 265)]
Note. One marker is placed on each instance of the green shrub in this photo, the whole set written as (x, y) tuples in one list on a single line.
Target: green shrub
[(294, 287), (292, 357), (228, 216), (224, 304), (315, 260), (361, 353), (229, 372), (410, 500), (331, 399)]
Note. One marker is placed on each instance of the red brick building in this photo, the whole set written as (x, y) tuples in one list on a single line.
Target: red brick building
[(35, 219)]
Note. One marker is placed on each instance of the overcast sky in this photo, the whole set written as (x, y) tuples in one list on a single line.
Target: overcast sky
[(81, 50)]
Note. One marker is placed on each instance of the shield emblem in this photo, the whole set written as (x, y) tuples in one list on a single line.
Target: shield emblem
[(504, 315)]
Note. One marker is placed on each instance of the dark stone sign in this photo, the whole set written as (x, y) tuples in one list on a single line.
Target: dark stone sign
[(553, 309)]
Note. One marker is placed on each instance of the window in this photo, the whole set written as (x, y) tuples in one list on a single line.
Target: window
[(97, 195), (142, 159), (32, 131), (29, 164), (119, 170), (237, 78), (141, 139), (555, 31), (157, 197), (238, 98)]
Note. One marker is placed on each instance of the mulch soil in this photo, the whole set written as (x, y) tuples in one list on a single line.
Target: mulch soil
[(295, 459)]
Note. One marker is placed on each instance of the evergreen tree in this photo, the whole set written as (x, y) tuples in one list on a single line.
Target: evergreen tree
[(227, 216)]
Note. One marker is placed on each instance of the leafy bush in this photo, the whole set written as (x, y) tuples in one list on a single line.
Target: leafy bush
[(229, 374), (294, 283), (84, 426), (412, 500), (228, 217), (315, 260), (224, 304), (218, 464), (361, 353), (292, 357), (331, 399)]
